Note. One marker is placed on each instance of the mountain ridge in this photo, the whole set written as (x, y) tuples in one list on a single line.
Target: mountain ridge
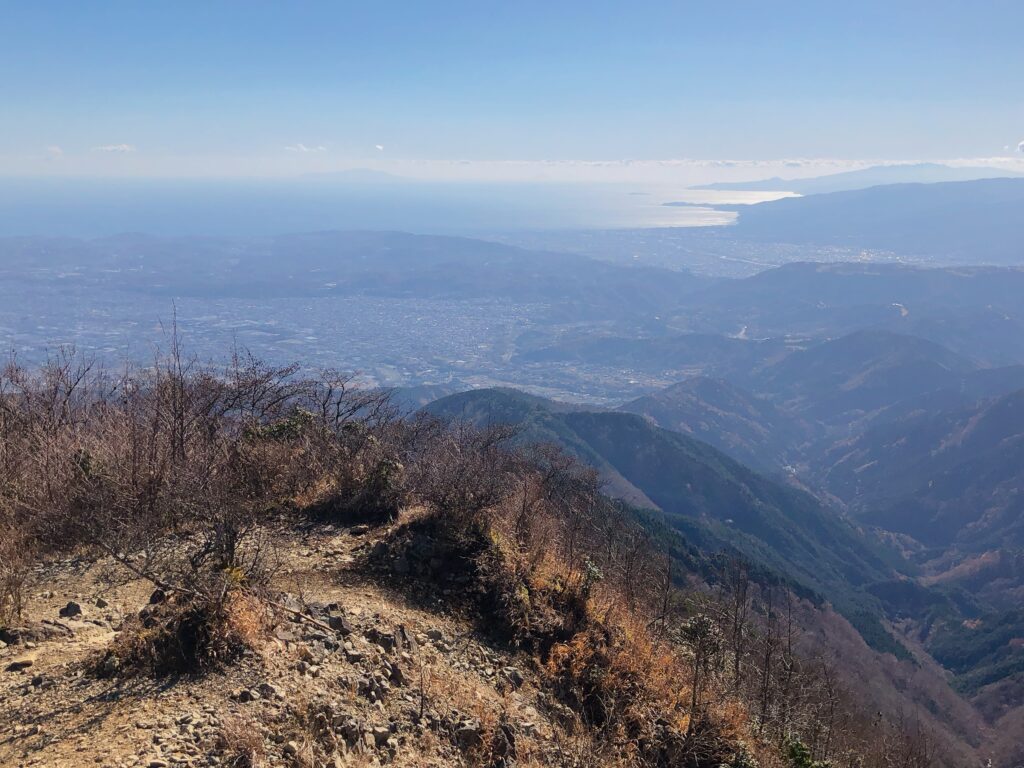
[(691, 482), (873, 176)]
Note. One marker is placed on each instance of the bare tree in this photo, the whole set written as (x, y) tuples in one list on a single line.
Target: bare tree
[(465, 471)]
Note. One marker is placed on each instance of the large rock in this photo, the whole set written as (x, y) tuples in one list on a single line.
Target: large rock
[(339, 624), (468, 734), (380, 735)]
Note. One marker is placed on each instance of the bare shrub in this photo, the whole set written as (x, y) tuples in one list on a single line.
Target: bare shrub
[(369, 484), (177, 472), (16, 559), (464, 471), (181, 635)]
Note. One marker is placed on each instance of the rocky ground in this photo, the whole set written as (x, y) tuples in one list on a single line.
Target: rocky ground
[(354, 671)]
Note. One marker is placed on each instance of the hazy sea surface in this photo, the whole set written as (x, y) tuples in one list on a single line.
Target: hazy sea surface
[(83, 207)]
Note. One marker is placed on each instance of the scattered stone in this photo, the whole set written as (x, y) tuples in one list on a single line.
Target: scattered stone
[(101, 603), (514, 677), (157, 597), (269, 691), (397, 676), (111, 664), (406, 638), (21, 663), (285, 635), (384, 640), (339, 624), (291, 749), (359, 530), (70, 610), (350, 729), (293, 605), (504, 743)]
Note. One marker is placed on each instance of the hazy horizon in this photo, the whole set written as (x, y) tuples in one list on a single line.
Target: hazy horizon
[(656, 93)]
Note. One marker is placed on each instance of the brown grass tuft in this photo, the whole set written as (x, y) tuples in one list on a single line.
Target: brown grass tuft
[(241, 744)]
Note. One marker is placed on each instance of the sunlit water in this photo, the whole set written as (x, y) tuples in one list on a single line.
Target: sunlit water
[(262, 207)]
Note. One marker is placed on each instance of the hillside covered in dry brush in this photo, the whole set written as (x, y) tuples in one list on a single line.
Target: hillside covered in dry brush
[(243, 564)]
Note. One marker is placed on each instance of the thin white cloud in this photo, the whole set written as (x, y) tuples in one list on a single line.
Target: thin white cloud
[(380, 147), (674, 163), (120, 149), (300, 147), (54, 152), (1020, 147)]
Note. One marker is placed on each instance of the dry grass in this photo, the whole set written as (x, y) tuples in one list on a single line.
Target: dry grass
[(187, 636), (241, 743), (624, 684)]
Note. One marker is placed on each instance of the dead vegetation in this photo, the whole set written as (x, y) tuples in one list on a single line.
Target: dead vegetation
[(242, 744), (183, 634), (181, 473)]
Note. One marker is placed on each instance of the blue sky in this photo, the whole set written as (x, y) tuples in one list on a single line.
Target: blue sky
[(560, 90)]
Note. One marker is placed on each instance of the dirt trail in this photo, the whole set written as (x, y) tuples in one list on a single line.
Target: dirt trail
[(398, 683)]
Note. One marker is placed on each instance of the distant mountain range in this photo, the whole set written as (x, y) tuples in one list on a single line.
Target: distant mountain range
[(918, 443), (713, 500), (975, 311), (710, 354), (920, 446), (841, 380), (966, 222), (953, 476), (749, 428), (837, 381), (950, 481), (876, 175)]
